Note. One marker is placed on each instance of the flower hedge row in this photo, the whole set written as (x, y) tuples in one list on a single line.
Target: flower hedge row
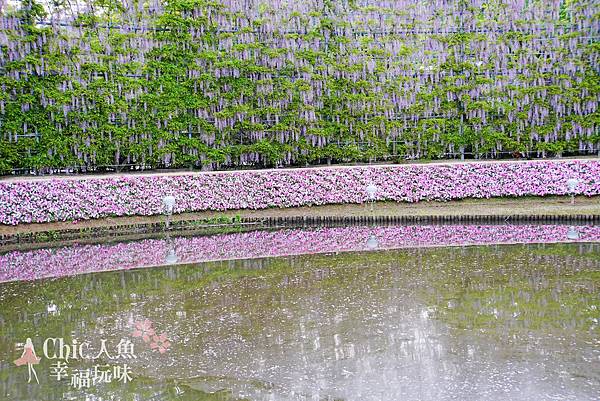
[(65, 199), (77, 259)]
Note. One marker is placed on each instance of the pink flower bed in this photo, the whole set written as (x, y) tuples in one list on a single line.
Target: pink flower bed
[(77, 259), (36, 201)]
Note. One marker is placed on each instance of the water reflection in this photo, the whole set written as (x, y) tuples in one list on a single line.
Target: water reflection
[(573, 233), (372, 242), (496, 322), (76, 259), (171, 257)]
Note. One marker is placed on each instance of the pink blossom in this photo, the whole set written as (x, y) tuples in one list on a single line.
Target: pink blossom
[(143, 329), (160, 343), (64, 199)]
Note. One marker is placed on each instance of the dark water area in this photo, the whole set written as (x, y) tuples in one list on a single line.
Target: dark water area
[(495, 321)]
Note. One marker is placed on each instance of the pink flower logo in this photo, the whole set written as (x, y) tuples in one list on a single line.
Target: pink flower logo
[(160, 343), (143, 329)]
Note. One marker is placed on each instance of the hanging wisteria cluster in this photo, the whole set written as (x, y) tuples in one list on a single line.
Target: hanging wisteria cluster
[(38, 200), (271, 82)]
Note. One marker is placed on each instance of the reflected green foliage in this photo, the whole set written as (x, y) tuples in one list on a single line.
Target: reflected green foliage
[(525, 303), (505, 294)]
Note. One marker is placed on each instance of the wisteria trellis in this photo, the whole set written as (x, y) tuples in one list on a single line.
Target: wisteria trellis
[(239, 82)]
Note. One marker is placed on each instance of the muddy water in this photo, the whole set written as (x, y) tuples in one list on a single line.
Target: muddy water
[(492, 322)]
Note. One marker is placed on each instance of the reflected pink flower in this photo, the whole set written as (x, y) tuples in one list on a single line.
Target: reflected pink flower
[(143, 329), (160, 343), (83, 258)]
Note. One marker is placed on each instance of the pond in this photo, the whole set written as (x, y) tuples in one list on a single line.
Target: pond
[(353, 313)]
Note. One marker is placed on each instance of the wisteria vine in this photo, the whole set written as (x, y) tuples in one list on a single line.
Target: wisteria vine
[(237, 82)]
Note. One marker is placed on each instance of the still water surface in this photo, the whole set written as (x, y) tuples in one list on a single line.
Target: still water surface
[(494, 322)]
